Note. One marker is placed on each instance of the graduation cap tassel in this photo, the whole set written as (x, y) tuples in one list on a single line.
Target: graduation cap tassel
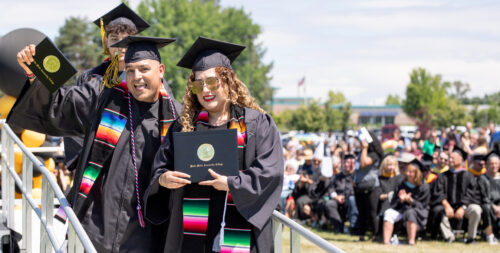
[(111, 77), (103, 39)]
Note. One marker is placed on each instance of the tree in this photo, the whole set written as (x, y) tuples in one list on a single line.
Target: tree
[(425, 96), (458, 90), (454, 114), (310, 118), (79, 40), (393, 100), (186, 20), (334, 111)]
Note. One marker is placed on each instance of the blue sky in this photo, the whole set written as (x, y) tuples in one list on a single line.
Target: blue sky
[(363, 48)]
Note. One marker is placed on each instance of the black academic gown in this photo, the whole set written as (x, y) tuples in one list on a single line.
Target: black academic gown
[(457, 188), (387, 185), (256, 191), (73, 144), (109, 214), (418, 210), (490, 193)]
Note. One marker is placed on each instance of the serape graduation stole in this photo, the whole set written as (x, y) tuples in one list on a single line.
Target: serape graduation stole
[(113, 121), (236, 235)]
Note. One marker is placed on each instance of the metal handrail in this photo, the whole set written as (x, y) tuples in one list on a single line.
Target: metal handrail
[(296, 230), (49, 188)]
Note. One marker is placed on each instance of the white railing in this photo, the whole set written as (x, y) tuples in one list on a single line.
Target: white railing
[(296, 230), (78, 240)]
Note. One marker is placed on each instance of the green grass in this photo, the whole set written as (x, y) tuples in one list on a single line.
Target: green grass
[(350, 244)]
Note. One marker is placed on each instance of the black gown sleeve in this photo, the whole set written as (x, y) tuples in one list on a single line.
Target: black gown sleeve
[(421, 201), (67, 111), (156, 197), (256, 190), (438, 193)]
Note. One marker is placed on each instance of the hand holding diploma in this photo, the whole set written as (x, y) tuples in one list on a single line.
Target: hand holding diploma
[(173, 179), (25, 56), (219, 183)]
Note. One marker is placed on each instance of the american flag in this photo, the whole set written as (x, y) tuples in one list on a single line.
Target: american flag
[(302, 81)]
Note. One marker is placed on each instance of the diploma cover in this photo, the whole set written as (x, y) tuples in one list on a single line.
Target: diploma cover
[(196, 152), (50, 66)]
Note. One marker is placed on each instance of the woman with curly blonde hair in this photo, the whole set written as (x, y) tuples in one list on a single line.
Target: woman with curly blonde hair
[(229, 212)]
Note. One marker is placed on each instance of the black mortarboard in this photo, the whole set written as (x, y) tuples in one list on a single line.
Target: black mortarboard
[(208, 53), (427, 157), (122, 14), (491, 154), (142, 47), (460, 151), (349, 156), (478, 157), (420, 165)]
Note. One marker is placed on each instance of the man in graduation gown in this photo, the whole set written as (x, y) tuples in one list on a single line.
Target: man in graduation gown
[(115, 25), (457, 192), (490, 187), (341, 205), (123, 127)]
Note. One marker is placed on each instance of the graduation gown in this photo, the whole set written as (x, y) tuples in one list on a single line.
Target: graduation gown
[(457, 188), (418, 211), (109, 214), (73, 144), (388, 184), (490, 195), (256, 191)]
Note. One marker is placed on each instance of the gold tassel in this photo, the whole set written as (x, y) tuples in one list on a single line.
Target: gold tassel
[(103, 39), (111, 77)]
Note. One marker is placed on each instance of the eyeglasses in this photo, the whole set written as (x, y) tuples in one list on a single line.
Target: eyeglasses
[(211, 82)]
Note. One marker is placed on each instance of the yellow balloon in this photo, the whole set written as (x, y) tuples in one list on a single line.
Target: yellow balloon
[(6, 103), (37, 182), (32, 139), (50, 164), (36, 193), (18, 161)]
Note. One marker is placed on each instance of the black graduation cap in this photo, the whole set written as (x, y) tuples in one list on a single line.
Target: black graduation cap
[(349, 156), (122, 14), (491, 154), (208, 53), (427, 157), (460, 151), (478, 157), (142, 47), (423, 167)]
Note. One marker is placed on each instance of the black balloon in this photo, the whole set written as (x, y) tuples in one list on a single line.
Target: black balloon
[(12, 76)]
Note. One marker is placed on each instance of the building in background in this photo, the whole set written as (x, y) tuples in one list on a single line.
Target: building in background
[(361, 114)]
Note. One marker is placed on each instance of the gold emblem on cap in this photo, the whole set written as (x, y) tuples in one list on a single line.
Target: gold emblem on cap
[(206, 152), (51, 63)]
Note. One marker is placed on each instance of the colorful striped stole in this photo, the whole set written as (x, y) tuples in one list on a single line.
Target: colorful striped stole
[(195, 206), (113, 122)]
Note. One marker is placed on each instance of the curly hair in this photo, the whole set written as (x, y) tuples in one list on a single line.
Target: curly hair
[(115, 26), (238, 95)]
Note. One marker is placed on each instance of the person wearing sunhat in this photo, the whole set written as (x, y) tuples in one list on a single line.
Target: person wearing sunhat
[(115, 25), (490, 184), (237, 210), (456, 191), (123, 128), (409, 204)]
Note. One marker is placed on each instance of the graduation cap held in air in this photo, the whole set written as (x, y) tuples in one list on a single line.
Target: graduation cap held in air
[(208, 53)]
